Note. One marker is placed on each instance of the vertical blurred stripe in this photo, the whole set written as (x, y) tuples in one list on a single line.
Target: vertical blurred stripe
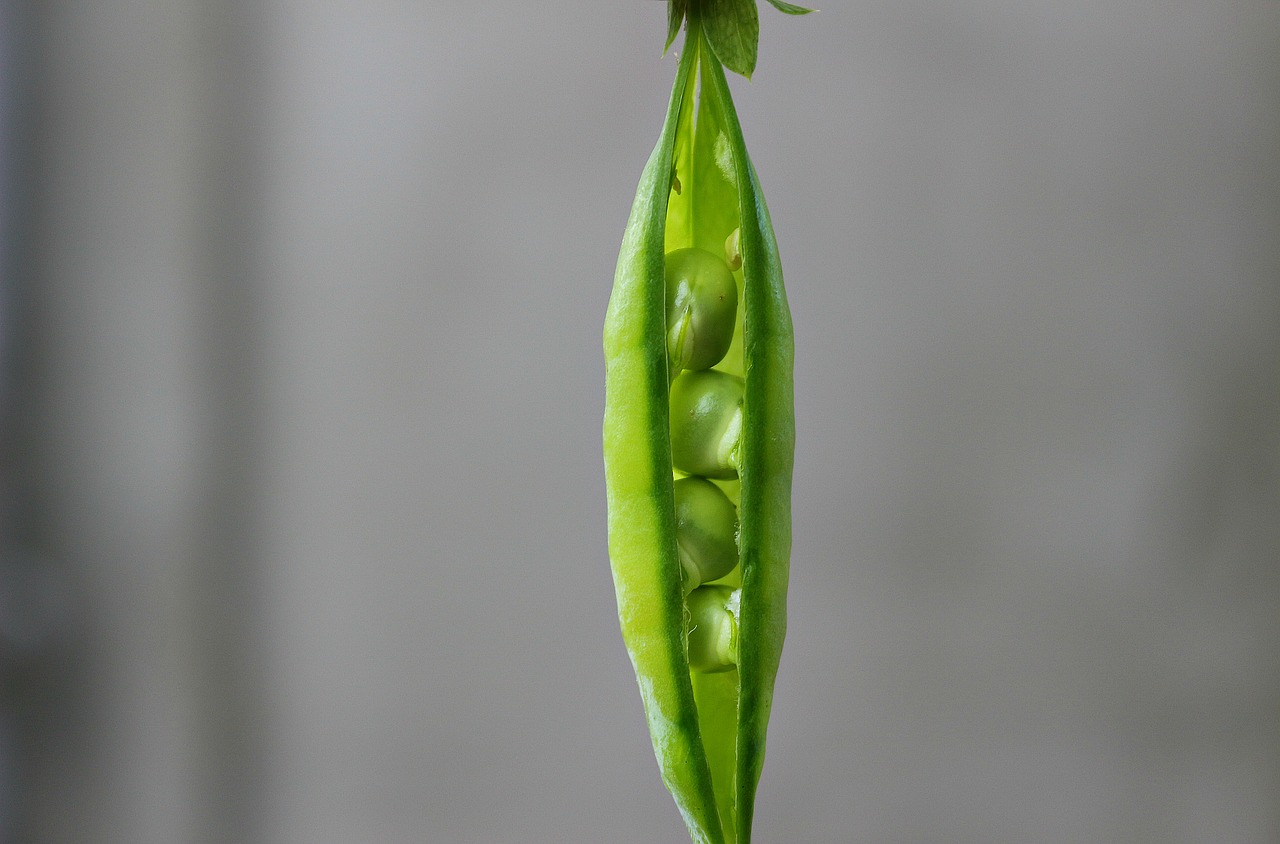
[(12, 636), (7, 761), (130, 416)]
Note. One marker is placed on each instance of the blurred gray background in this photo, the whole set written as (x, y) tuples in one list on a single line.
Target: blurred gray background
[(304, 529)]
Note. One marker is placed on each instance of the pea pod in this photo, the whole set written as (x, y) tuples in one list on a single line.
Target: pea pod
[(699, 191)]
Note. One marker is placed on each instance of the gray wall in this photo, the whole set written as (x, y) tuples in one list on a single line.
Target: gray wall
[(312, 389)]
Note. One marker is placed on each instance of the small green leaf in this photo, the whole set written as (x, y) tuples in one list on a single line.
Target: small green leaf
[(675, 16), (789, 8), (733, 30)]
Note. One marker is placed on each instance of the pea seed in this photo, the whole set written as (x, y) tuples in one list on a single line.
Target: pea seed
[(706, 423), (706, 531), (713, 629), (702, 303)]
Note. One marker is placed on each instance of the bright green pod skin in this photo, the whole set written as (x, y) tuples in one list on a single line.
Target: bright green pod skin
[(702, 306), (706, 531), (708, 729)]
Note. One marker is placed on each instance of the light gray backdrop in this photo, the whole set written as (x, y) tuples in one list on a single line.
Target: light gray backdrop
[(314, 312)]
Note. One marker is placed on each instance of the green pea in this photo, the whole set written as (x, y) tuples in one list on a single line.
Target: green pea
[(730, 420), (706, 531), (702, 302), (713, 629), (706, 423)]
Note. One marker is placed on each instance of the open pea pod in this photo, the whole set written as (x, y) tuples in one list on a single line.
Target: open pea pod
[(698, 455)]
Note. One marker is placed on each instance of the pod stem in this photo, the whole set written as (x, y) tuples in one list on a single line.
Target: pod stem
[(732, 28)]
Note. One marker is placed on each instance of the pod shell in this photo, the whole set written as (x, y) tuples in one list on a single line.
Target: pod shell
[(642, 545)]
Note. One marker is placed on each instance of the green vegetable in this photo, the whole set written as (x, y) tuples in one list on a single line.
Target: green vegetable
[(713, 628), (698, 437), (706, 531), (702, 302), (706, 423)]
